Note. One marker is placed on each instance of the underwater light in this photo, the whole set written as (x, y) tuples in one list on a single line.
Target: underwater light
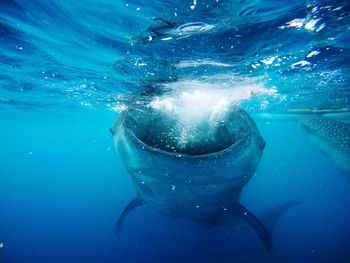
[(194, 100)]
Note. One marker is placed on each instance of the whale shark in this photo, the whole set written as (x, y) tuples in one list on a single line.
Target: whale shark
[(194, 170), (331, 136)]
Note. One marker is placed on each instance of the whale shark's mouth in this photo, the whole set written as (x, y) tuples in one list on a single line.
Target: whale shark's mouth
[(166, 132)]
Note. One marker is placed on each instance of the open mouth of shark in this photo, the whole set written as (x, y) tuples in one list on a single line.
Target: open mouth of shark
[(193, 137)]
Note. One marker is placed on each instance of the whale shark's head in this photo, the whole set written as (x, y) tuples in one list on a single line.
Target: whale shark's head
[(194, 120), (310, 122), (178, 162)]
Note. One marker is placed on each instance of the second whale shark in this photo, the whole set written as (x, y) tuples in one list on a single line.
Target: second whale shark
[(331, 136)]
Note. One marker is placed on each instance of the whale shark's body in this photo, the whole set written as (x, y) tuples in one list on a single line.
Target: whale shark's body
[(200, 177), (332, 136)]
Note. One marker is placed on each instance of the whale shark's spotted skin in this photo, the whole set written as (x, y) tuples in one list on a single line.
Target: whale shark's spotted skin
[(332, 136), (202, 177), (335, 132)]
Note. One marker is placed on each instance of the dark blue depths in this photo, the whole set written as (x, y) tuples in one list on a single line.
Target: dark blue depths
[(62, 188)]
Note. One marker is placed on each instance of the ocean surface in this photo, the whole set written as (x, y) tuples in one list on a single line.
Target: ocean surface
[(67, 68)]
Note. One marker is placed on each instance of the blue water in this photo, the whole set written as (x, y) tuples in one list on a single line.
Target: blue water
[(67, 68)]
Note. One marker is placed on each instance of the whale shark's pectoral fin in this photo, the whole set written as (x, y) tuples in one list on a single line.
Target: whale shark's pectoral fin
[(258, 226), (134, 203)]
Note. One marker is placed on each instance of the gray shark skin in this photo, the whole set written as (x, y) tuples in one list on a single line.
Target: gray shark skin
[(332, 137), (201, 180)]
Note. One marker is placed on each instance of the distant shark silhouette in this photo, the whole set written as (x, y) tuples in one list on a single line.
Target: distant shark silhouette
[(200, 178), (332, 136)]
